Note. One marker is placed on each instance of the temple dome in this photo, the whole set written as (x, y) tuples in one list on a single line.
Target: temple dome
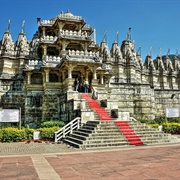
[(69, 14)]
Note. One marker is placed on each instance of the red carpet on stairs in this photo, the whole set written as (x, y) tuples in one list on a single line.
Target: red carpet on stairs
[(129, 133), (102, 113)]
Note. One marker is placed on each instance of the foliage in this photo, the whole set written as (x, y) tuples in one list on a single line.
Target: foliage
[(51, 123), (173, 128), (160, 120), (153, 125), (176, 119), (11, 134), (48, 133)]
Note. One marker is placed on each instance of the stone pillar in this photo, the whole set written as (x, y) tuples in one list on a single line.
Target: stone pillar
[(28, 77), (47, 74), (94, 73), (63, 75), (70, 71), (44, 78), (64, 45), (43, 31), (101, 80), (85, 48), (44, 51), (60, 26), (86, 75)]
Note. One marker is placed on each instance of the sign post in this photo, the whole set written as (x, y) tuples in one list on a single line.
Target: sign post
[(20, 118), (172, 112), (10, 115)]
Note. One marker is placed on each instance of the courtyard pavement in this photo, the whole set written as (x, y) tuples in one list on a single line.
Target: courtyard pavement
[(47, 161)]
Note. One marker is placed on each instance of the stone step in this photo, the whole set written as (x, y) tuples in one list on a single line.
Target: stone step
[(107, 137), (90, 127), (78, 136), (105, 145), (107, 130), (86, 130), (98, 141), (156, 141), (81, 133), (72, 143), (105, 134), (73, 139)]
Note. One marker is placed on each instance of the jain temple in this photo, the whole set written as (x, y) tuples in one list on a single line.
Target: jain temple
[(40, 75)]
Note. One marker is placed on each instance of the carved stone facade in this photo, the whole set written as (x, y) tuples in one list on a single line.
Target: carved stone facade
[(39, 75)]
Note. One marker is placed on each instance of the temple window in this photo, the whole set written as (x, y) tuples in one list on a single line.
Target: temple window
[(53, 77), (52, 51), (34, 101), (36, 78)]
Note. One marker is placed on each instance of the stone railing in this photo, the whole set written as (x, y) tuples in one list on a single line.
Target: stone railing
[(47, 22), (33, 64), (70, 17), (52, 59), (82, 53), (74, 33), (48, 38)]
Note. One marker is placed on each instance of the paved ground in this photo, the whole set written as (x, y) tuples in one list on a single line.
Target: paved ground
[(42, 161)]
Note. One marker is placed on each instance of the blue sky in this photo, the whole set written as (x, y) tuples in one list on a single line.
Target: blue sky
[(154, 23)]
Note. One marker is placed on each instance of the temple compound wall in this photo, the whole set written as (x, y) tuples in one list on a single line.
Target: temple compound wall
[(39, 75)]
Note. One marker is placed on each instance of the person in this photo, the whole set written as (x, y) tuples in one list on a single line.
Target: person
[(86, 86), (76, 84)]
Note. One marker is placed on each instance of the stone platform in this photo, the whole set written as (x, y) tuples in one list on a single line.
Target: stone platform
[(46, 161)]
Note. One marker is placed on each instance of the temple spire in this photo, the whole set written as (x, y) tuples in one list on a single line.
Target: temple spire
[(129, 34), (168, 52), (160, 52), (23, 26), (177, 52), (9, 24), (139, 50), (150, 49), (105, 36), (117, 37)]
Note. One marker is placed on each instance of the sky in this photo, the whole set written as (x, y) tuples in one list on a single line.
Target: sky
[(154, 23)]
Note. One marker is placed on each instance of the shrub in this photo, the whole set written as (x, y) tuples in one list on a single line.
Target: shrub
[(154, 125), (173, 128), (0, 135), (49, 124), (13, 134), (160, 119), (48, 133)]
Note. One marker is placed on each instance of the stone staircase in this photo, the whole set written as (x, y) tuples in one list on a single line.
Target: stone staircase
[(106, 134), (110, 133), (152, 136), (97, 134)]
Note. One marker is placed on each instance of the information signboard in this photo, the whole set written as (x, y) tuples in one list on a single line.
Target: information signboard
[(172, 112), (9, 115)]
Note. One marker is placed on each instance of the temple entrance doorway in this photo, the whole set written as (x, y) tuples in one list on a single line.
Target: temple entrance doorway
[(80, 81)]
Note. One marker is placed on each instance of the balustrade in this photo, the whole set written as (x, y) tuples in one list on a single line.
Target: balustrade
[(82, 53), (74, 33), (34, 62), (70, 17), (53, 58), (48, 38), (50, 22)]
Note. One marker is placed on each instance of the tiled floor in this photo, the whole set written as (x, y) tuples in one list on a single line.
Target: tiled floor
[(17, 168), (155, 163), (133, 163)]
